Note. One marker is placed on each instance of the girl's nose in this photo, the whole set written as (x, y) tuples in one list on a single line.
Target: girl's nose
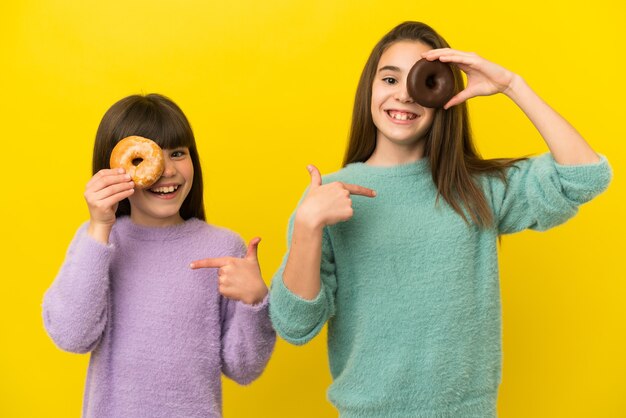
[(170, 169), (402, 95)]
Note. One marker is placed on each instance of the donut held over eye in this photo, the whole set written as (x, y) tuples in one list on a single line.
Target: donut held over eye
[(430, 83), (141, 158)]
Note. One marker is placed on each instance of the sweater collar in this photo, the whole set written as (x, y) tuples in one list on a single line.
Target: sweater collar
[(126, 227), (419, 167)]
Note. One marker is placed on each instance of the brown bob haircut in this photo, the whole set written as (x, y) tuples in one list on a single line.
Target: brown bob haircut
[(158, 118), (453, 158)]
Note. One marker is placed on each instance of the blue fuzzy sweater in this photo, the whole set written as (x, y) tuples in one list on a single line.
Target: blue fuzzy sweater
[(410, 291)]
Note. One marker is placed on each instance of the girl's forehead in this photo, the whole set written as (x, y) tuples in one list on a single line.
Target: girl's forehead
[(402, 52)]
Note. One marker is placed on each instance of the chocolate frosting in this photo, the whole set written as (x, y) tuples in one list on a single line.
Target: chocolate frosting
[(430, 83)]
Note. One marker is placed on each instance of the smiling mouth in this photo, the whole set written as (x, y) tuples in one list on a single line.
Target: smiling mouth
[(164, 190), (397, 115)]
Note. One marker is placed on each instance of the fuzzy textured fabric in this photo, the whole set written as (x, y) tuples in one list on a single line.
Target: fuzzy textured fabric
[(410, 291), (160, 334)]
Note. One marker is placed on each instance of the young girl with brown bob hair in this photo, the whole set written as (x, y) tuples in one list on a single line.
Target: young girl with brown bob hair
[(160, 333), (397, 251)]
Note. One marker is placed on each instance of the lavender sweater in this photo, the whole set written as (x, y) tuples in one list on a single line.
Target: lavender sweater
[(159, 333)]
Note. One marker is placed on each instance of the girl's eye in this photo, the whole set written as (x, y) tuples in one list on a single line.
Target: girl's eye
[(390, 80), (177, 153)]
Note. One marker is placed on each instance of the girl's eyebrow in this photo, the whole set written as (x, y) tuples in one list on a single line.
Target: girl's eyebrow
[(389, 68)]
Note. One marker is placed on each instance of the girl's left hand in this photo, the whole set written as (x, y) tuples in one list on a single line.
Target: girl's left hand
[(238, 278), (484, 78)]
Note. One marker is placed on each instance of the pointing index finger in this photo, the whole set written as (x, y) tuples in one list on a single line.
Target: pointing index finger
[(210, 263), (355, 189)]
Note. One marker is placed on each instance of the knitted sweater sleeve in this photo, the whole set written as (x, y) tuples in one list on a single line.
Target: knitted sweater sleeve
[(76, 304), (247, 336), (540, 193), (295, 319)]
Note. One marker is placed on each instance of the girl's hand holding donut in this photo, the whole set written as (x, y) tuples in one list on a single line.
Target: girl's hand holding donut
[(484, 77), (103, 193), (238, 278), (328, 204)]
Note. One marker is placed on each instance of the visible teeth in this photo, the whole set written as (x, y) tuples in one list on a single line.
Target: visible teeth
[(402, 115), (168, 189)]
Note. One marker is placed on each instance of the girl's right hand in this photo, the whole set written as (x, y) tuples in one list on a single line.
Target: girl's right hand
[(328, 204), (484, 77), (103, 193), (238, 278)]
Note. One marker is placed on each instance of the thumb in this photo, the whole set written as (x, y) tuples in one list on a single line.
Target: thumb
[(251, 254), (459, 98), (316, 177)]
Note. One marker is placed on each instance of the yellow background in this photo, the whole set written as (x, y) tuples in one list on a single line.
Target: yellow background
[(268, 87)]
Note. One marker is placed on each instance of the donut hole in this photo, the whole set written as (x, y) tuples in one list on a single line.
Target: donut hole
[(137, 161), (431, 81)]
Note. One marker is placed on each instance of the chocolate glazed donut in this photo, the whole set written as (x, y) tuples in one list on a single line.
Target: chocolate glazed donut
[(430, 83)]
